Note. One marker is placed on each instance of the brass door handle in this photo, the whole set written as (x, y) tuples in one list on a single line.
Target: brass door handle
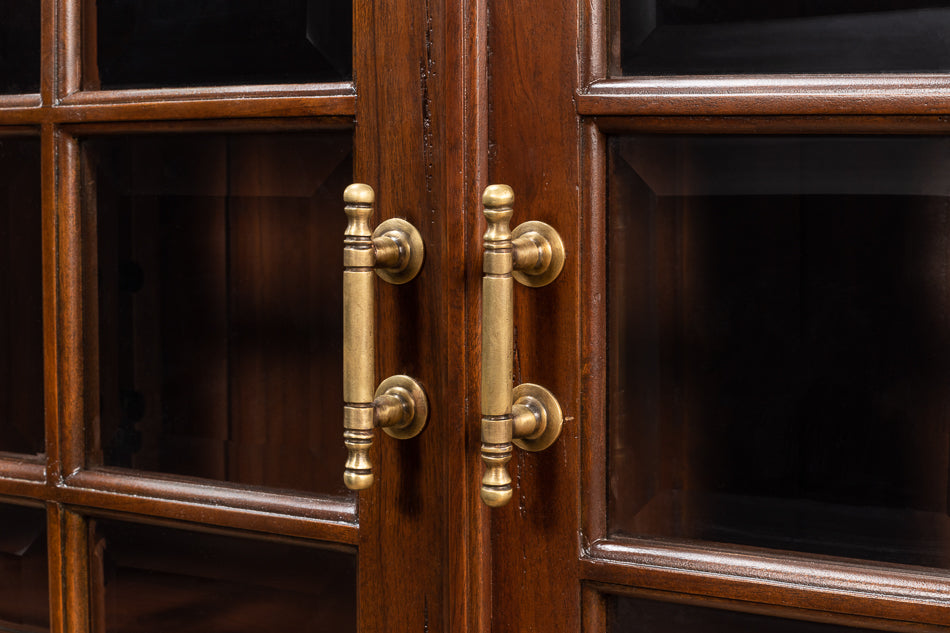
[(528, 415), (394, 251)]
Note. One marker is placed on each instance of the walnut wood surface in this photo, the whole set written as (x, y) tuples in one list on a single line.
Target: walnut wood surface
[(448, 97), (405, 539), (768, 94), (61, 116), (533, 139), (762, 578), (564, 137)]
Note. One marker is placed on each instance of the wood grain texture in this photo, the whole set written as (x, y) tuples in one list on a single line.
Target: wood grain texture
[(447, 98), (72, 278), (48, 36), (228, 505), (74, 573), (216, 107), (767, 94), (534, 135), (326, 100), (49, 179), (17, 102), (465, 93), (75, 41), (400, 132), (594, 301), (799, 581), (842, 591), (774, 124), (23, 477), (65, 114), (54, 526), (597, 594), (118, 128)]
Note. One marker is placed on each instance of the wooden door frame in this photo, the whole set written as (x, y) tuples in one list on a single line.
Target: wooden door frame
[(428, 48), (417, 106), (553, 541)]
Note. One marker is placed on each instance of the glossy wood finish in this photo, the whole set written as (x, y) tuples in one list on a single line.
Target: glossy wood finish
[(401, 152), (766, 579), (447, 97), (574, 546), (164, 105), (767, 95), (533, 140), (387, 52)]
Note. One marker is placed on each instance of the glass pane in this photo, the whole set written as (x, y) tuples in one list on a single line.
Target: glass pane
[(163, 579), (646, 616), (218, 259), (24, 575), (19, 46), (21, 297), (681, 37), (158, 43), (779, 335)]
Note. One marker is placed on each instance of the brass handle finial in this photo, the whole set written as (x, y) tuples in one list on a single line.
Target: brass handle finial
[(528, 415), (395, 252)]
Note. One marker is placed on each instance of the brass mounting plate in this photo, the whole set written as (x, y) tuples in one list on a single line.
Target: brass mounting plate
[(414, 426), (558, 254), (552, 409), (409, 239)]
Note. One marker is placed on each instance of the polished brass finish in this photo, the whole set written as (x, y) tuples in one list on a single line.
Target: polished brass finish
[(395, 252), (528, 415)]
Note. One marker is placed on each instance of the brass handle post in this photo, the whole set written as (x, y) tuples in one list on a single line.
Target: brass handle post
[(528, 416), (394, 251)]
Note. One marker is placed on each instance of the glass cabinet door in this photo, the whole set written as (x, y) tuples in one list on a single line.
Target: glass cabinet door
[(21, 314), (775, 344), (19, 47), (725, 37), (217, 43), (171, 353), (212, 363), (749, 335)]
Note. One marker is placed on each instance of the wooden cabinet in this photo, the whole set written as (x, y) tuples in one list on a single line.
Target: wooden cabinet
[(747, 339)]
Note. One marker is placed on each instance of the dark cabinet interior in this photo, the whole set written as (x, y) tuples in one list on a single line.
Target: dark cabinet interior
[(780, 331), (219, 333), (720, 37), (149, 44)]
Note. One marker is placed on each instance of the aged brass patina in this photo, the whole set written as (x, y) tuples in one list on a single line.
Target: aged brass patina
[(528, 415), (399, 406)]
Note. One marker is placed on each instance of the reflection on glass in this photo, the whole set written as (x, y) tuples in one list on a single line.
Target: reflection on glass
[(163, 579), (160, 43), (19, 46), (779, 336), (702, 37), (24, 579), (21, 298), (647, 616), (218, 305)]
